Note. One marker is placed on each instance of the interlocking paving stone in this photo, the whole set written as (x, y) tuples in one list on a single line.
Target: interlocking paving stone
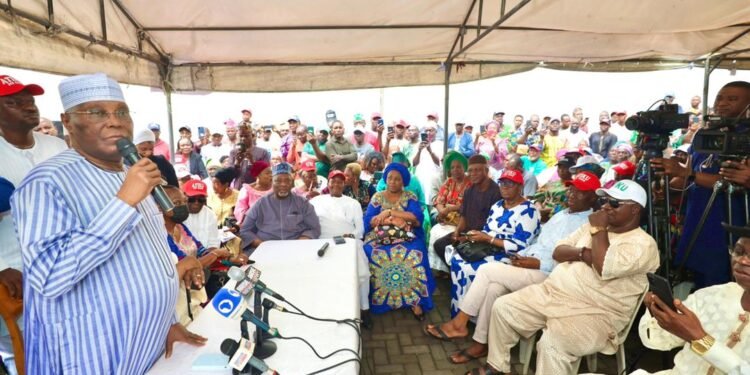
[(397, 345)]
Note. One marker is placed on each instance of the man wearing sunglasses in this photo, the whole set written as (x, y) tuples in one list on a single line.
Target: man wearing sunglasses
[(589, 296), (202, 221)]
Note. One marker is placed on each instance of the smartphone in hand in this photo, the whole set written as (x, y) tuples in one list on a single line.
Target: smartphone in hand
[(660, 286), (423, 137)]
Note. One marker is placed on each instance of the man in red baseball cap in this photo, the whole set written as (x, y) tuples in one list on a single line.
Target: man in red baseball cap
[(310, 185), (202, 221), (20, 150), (585, 181)]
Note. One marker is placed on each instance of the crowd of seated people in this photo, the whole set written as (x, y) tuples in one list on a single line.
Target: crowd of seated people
[(537, 225)]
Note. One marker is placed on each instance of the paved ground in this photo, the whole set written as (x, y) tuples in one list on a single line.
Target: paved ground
[(396, 345)]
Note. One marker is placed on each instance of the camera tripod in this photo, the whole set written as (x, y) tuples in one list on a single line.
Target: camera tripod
[(721, 185), (653, 146)]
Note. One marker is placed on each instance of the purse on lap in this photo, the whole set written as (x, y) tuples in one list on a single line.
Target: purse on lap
[(475, 251), (389, 235)]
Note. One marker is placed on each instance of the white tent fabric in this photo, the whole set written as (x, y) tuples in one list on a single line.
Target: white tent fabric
[(296, 45)]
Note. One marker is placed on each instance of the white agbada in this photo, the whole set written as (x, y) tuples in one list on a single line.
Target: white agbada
[(430, 175), (719, 310), (343, 215), (203, 226)]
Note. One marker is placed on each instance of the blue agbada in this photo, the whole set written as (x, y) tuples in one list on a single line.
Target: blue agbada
[(400, 269)]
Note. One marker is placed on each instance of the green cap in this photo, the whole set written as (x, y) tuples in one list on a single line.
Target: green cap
[(358, 117)]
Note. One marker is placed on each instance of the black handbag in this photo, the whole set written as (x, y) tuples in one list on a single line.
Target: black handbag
[(475, 251)]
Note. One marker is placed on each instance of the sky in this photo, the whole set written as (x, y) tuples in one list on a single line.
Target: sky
[(540, 91)]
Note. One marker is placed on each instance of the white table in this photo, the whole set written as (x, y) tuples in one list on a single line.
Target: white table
[(322, 287)]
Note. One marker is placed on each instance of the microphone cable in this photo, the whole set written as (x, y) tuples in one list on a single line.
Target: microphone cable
[(353, 323)]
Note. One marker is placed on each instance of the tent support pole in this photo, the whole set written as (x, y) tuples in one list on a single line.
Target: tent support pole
[(706, 75), (447, 84), (103, 19), (165, 70), (168, 95), (51, 12)]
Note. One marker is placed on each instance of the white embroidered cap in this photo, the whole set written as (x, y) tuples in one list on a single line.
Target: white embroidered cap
[(86, 88), (143, 135)]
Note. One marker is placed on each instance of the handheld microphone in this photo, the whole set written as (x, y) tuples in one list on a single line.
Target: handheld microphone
[(229, 347), (268, 304), (322, 250), (245, 283), (130, 154)]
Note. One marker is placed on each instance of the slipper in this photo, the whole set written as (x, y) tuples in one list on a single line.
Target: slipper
[(465, 354), (485, 370), (419, 317), (441, 334)]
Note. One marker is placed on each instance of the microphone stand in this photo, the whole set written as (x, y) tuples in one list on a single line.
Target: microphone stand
[(264, 348), (247, 370)]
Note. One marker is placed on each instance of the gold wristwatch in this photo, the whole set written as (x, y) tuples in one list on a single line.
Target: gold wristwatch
[(702, 345), (595, 230)]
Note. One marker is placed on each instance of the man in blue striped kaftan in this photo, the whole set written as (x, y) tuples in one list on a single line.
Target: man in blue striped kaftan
[(100, 287)]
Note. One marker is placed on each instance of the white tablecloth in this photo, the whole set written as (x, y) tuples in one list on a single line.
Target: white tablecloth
[(322, 287)]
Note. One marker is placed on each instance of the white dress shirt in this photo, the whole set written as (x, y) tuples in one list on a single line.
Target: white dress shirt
[(16, 164), (338, 216), (204, 227)]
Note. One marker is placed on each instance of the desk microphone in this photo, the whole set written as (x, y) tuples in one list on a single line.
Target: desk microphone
[(322, 250), (246, 282), (130, 154), (229, 347)]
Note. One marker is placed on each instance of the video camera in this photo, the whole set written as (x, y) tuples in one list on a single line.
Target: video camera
[(720, 137), (665, 120)]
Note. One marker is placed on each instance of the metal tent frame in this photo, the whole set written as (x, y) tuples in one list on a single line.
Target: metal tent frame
[(165, 63)]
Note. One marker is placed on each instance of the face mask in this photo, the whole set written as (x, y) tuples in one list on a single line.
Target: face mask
[(180, 213)]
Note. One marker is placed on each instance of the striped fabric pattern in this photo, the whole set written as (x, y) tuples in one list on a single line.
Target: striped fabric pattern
[(100, 287)]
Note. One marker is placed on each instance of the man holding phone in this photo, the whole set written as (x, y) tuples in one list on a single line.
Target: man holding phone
[(709, 324), (375, 135), (395, 141), (427, 169)]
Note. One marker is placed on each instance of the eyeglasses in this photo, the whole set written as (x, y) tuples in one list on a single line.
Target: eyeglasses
[(506, 183), (739, 252), (197, 199), (101, 116), (614, 203)]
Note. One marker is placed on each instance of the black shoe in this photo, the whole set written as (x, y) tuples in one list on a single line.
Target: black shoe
[(367, 322)]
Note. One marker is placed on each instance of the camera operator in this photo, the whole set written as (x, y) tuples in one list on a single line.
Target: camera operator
[(709, 259)]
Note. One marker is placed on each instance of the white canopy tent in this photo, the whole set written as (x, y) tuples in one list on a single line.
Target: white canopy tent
[(295, 45)]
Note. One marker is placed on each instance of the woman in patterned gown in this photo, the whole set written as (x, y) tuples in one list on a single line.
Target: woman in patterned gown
[(512, 225), (395, 247)]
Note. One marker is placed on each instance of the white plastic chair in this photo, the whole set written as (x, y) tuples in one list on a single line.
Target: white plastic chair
[(527, 347)]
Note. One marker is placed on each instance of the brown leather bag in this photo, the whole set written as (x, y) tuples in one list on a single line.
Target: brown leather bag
[(10, 309)]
